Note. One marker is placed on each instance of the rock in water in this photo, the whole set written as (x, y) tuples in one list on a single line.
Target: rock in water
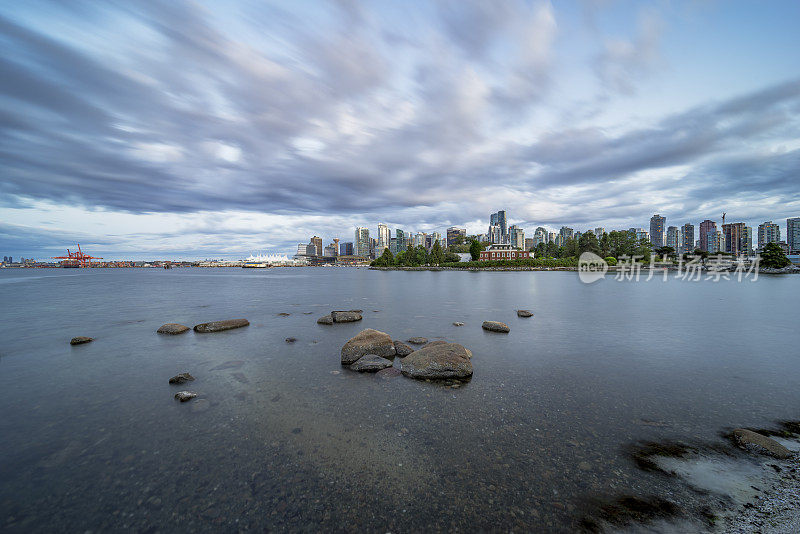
[(524, 313), (418, 340), (388, 373), (184, 396), (345, 316), (748, 438), (370, 363), (325, 319), (458, 323), (80, 340), (284, 314), (437, 342), (496, 326), (219, 326), (368, 341), (290, 339), (172, 328), (402, 349), (181, 378), (448, 360)]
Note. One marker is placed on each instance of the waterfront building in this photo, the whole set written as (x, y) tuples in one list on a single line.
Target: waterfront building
[(383, 238), (401, 240), (330, 251), (768, 233), (499, 219), (346, 249), (706, 228), (735, 238), (674, 238), (453, 233), (639, 234), (747, 243), (716, 242), (516, 237), (657, 223), (503, 251), (362, 242), (793, 234), (688, 238), (317, 242)]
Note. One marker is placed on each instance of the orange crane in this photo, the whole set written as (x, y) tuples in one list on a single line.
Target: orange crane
[(76, 259)]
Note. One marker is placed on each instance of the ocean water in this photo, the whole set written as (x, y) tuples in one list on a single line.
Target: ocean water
[(281, 437)]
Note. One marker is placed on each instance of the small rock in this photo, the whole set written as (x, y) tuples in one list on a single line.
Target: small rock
[(80, 340), (284, 314), (291, 339), (325, 319), (458, 323), (345, 316), (524, 313), (370, 363), (181, 378), (368, 341), (184, 396), (402, 349), (417, 340), (496, 326), (219, 326), (761, 443), (172, 328)]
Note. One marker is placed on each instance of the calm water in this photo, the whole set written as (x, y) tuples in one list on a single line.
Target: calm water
[(91, 437)]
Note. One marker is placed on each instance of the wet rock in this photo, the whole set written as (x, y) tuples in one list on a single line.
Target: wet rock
[(80, 340), (181, 378), (388, 373), (524, 313), (368, 341), (345, 316), (402, 349), (325, 319), (496, 326), (458, 323), (291, 339), (417, 340), (370, 363), (763, 444), (447, 360), (184, 396), (172, 328), (219, 326), (284, 314), (437, 342)]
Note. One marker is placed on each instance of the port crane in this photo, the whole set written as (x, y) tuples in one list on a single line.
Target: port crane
[(77, 259)]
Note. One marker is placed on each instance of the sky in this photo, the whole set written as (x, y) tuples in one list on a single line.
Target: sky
[(191, 130)]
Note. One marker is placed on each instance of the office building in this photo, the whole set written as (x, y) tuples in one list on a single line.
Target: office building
[(361, 244), (793, 234), (346, 249), (453, 234), (317, 242), (688, 238), (499, 219), (401, 237), (495, 234), (706, 228), (516, 237), (768, 233), (383, 238), (657, 237)]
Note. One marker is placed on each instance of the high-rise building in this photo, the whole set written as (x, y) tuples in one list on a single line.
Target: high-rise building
[(552, 237), (419, 239), (716, 242), (540, 236), (401, 240), (453, 233), (361, 243), (516, 236), (317, 242), (566, 233), (529, 244), (599, 231), (393, 245), (383, 238), (346, 249), (674, 238), (735, 238), (688, 238), (706, 227), (793, 234), (499, 219), (639, 234), (768, 233), (657, 223), (747, 241), (495, 234)]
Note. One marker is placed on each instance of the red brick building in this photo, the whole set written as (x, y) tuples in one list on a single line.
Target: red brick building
[(503, 252)]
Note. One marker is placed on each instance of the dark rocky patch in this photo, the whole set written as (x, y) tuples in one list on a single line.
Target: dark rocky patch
[(325, 319), (219, 326), (185, 396), (496, 326), (524, 313), (284, 314), (630, 509), (747, 439), (345, 316), (388, 373), (402, 349), (368, 341), (172, 329), (417, 340), (447, 360), (80, 340), (644, 453), (181, 378), (370, 363), (290, 339)]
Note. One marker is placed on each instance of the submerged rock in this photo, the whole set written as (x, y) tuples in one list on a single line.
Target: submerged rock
[(184, 396), (418, 340), (458, 323), (388, 373), (181, 378), (496, 326), (172, 328), (748, 438), (284, 314), (402, 349), (80, 340), (524, 313), (325, 319), (368, 341), (219, 326), (370, 363), (447, 360), (290, 339), (345, 316)]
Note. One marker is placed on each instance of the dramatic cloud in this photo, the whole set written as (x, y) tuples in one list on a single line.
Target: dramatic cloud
[(161, 127)]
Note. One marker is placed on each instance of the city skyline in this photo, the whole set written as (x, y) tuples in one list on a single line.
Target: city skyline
[(255, 126)]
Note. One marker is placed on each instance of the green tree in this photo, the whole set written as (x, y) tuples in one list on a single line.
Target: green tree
[(605, 244), (437, 256), (451, 257), (588, 243), (386, 259), (475, 250), (421, 256), (773, 257), (458, 239), (570, 248)]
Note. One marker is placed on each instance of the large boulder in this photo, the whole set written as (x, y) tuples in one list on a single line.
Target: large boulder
[(496, 326), (447, 360), (524, 313), (325, 319), (219, 326), (368, 341), (402, 349), (370, 363), (80, 340), (172, 328), (749, 439), (350, 316)]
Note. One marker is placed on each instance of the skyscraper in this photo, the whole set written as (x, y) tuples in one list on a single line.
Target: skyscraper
[(383, 238), (516, 236), (362, 242), (768, 233), (499, 219), (540, 236), (346, 249), (401, 239), (657, 223), (735, 238), (453, 233), (495, 234), (317, 242), (793, 234), (599, 231), (706, 227), (565, 233), (688, 238), (674, 238)]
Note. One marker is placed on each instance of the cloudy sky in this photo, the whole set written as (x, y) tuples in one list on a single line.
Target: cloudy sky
[(215, 129)]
